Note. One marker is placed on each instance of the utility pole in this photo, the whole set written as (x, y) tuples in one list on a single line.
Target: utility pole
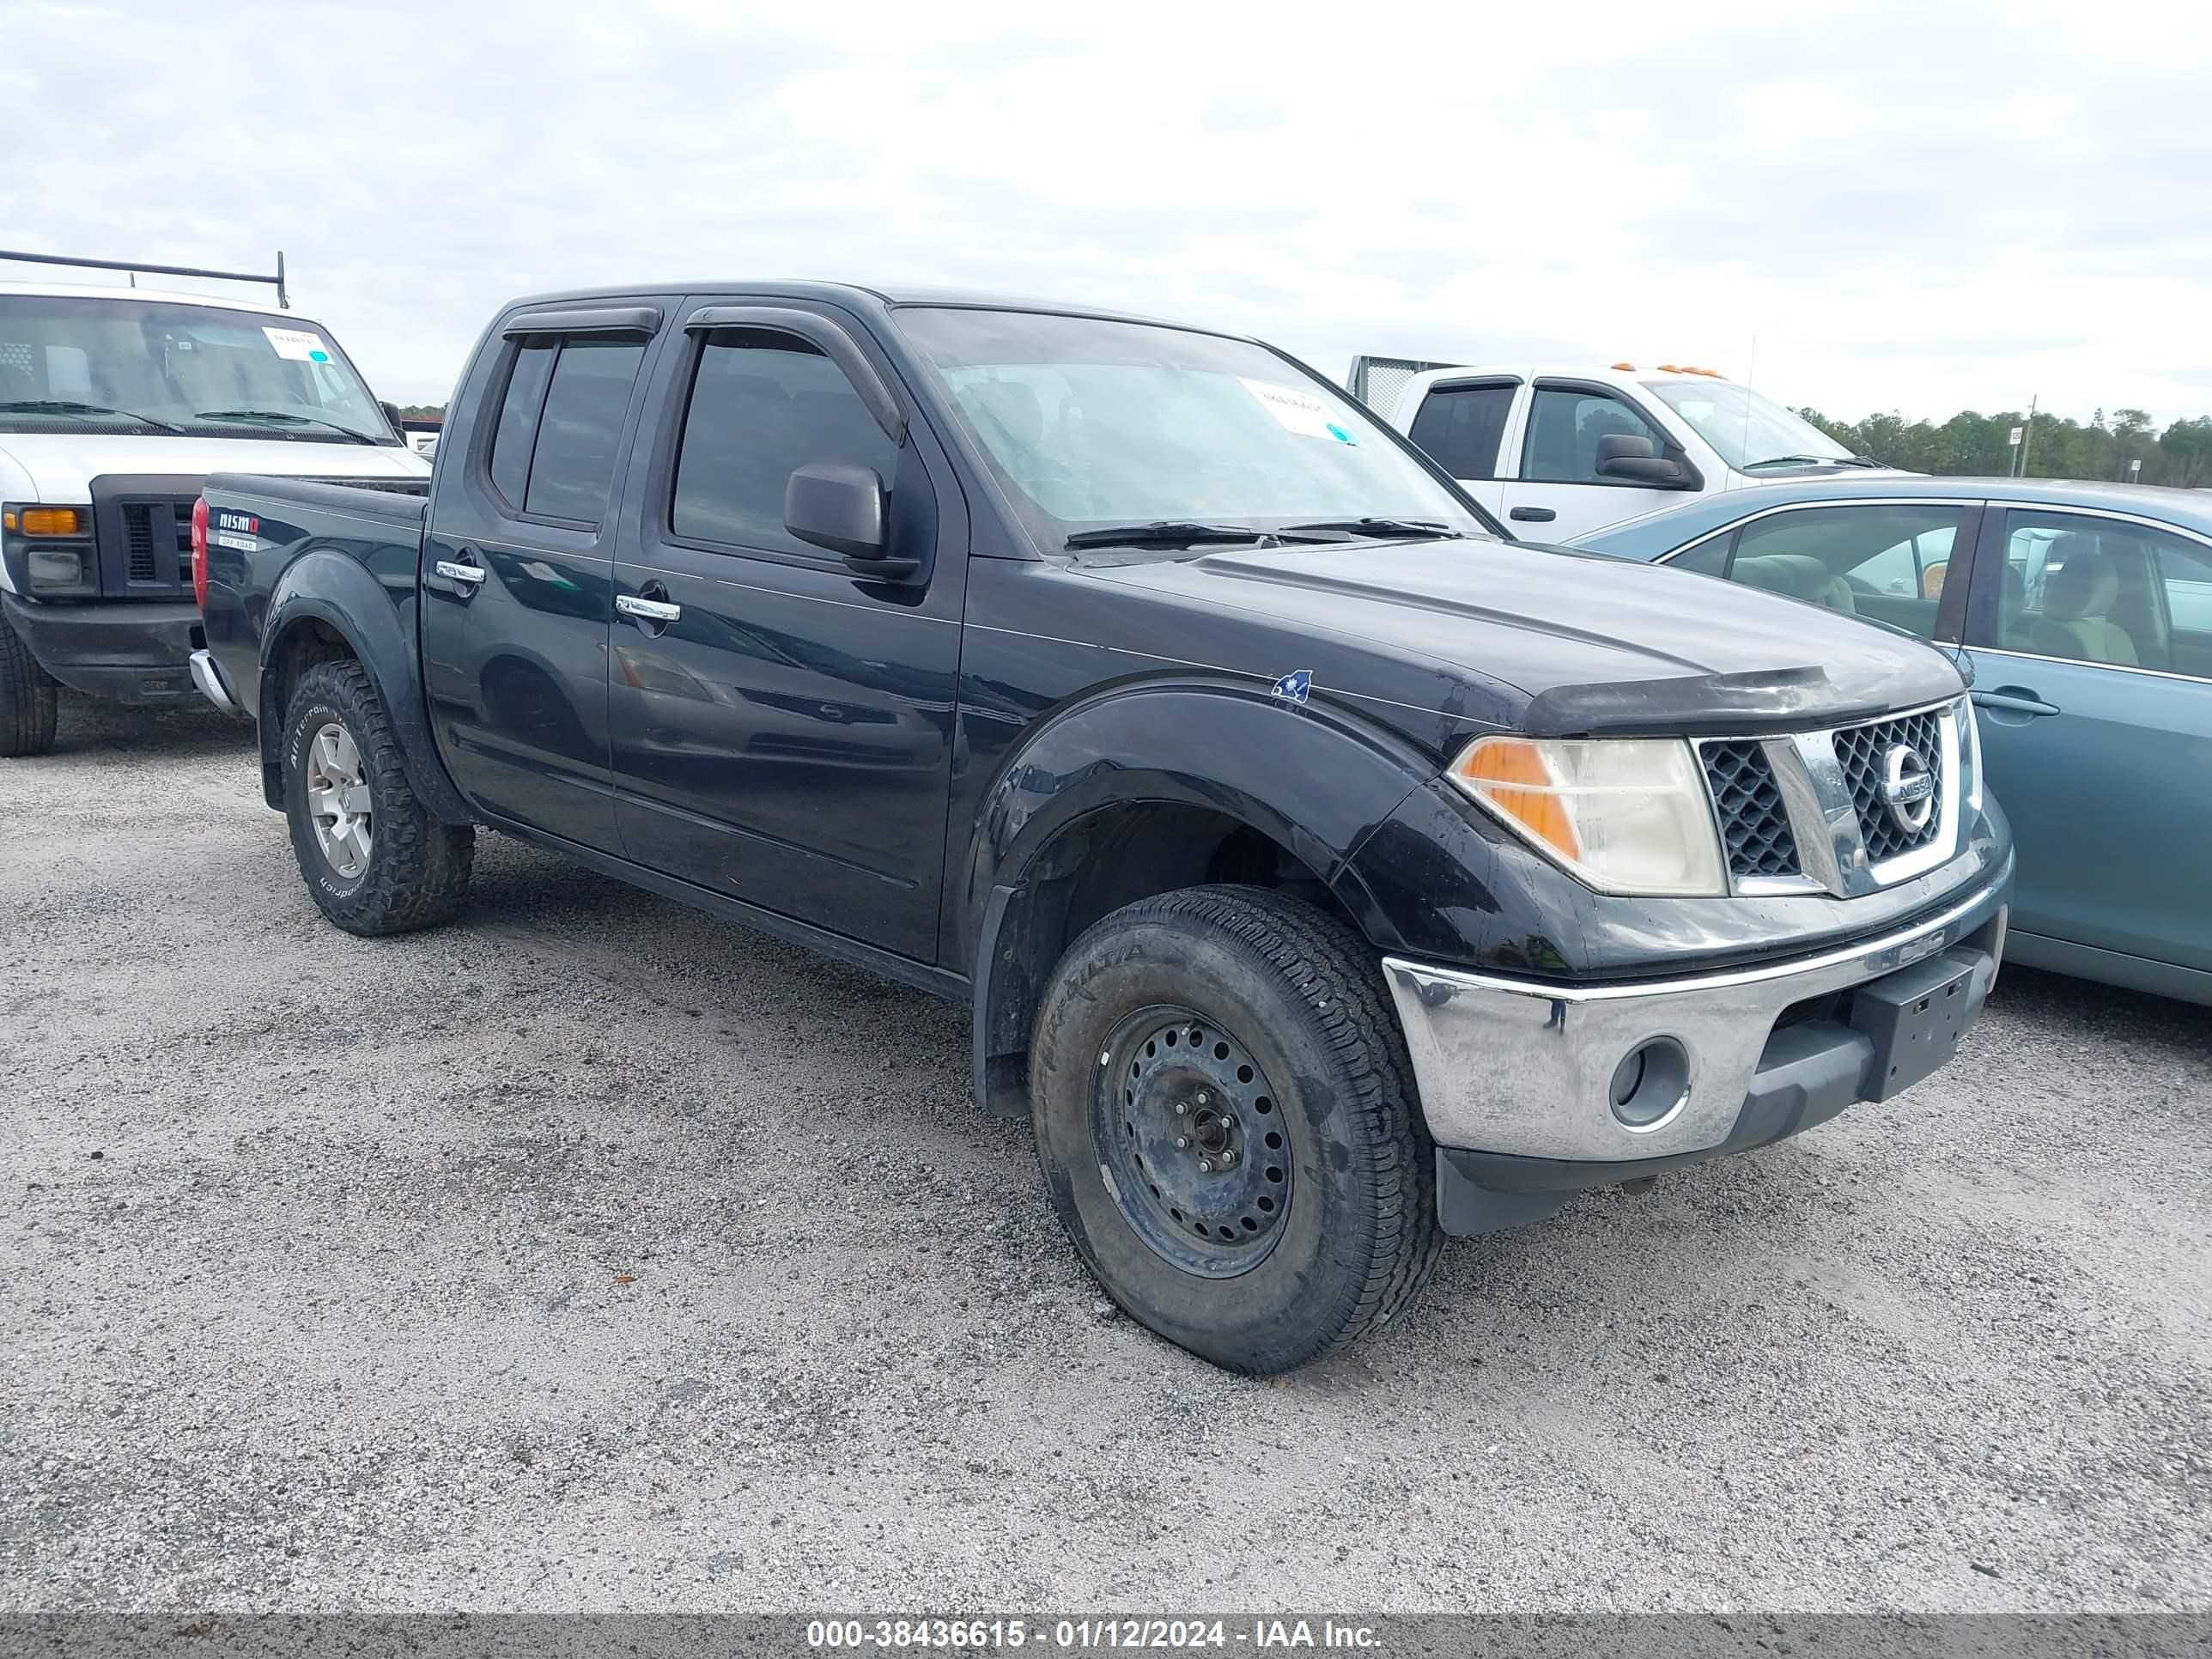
[(2027, 442)]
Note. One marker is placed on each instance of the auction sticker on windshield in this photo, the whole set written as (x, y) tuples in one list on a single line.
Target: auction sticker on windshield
[(299, 344), (1296, 410)]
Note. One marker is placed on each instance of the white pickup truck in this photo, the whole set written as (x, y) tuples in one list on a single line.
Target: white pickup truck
[(115, 402), (1558, 452)]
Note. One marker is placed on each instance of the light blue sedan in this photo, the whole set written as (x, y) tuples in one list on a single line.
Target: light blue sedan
[(2086, 612)]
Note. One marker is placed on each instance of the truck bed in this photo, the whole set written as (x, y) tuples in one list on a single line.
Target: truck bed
[(259, 528)]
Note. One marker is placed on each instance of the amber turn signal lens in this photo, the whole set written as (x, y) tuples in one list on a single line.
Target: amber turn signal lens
[(50, 520), (1494, 767)]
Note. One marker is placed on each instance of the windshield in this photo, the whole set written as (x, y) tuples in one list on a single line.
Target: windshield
[(1745, 429), (143, 366), (1090, 425)]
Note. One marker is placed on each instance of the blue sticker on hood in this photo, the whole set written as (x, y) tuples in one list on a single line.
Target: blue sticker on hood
[(1293, 687)]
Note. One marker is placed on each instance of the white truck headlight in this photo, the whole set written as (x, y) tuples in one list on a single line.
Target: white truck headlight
[(1628, 815)]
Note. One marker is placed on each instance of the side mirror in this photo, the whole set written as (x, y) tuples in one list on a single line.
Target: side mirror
[(1621, 455), (392, 414), (843, 508)]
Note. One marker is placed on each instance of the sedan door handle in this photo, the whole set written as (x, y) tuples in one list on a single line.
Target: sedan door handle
[(470, 574), (1533, 514), (645, 610), (2014, 700)]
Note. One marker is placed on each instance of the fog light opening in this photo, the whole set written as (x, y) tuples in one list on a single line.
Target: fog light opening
[(1651, 1083)]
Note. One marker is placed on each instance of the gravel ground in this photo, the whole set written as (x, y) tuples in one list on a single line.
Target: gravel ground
[(594, 1254)]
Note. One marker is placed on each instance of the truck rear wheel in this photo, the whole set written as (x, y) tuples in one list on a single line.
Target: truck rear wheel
[(27, 698), (375, 859), (1225, 1116)]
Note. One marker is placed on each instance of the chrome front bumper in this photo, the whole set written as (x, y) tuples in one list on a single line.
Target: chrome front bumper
[(1527, 1070)]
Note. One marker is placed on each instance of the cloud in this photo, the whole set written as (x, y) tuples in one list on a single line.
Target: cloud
[(1914, 208)]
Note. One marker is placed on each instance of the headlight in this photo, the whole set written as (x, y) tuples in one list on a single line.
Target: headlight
[(1627, 816), (57, 570), (48, 551)]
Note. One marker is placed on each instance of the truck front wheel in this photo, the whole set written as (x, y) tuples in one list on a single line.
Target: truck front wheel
[(27, 698), (1225, 1116), (375, 859)]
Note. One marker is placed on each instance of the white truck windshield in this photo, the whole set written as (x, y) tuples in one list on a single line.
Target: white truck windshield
[(1746, 430), (1091, 423), (159, 366)]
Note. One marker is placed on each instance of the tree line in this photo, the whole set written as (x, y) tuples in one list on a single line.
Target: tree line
[(1976, 445)]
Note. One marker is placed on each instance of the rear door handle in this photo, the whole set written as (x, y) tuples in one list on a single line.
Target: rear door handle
[(1533, 514), (645, 610), (453, 571), (2014, 700)]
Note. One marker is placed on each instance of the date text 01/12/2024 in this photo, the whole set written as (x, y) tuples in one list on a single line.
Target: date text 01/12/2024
[(1090, 1634)]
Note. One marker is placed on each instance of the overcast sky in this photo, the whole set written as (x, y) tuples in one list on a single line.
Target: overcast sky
[(1922, 207)]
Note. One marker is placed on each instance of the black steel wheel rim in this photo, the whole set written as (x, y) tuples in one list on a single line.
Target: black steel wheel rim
[(1190, 1136)]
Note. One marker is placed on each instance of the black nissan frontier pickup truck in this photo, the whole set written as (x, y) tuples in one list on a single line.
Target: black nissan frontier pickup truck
[(1325, 873)]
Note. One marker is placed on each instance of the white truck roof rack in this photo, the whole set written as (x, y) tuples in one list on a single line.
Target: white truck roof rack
[(283, 300)]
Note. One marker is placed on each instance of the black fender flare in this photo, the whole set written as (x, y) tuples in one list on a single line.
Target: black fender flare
[(327, 585), (1314, 778)]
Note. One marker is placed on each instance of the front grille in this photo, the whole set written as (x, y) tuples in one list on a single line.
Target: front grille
[(1863, 752), (1754, 824), (157, 539), (1768, 834)]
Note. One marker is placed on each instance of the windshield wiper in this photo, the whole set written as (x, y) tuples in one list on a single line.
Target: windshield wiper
[(282, 418), (71, 406), (1433, 529), (1167, 532), (1810, 460)]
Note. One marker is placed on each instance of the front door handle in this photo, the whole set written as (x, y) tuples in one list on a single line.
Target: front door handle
[(2014, 700), (469, 574), (645, 610), (1533, 514)]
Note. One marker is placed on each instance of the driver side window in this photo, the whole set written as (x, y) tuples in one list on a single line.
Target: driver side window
[(1565, 425), (763, 405)]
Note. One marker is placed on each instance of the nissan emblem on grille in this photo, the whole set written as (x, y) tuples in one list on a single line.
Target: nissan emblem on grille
[(1908, 787), (1836, 809)]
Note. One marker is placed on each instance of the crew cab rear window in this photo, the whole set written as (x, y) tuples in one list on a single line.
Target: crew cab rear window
[(560, 425), (1459, 427), (763, 405)]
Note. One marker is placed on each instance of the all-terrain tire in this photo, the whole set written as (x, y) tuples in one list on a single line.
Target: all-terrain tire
[(416, 871), (1283, 998), (27, 698)]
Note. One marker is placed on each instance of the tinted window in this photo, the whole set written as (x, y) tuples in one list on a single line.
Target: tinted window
[(764, 406), (1459, 426), (574, 465), (1885, 563), (1564, 428), (518, 420)]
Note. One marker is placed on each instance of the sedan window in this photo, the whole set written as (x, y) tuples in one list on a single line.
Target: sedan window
[(2107, 590), (1886, 562)]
